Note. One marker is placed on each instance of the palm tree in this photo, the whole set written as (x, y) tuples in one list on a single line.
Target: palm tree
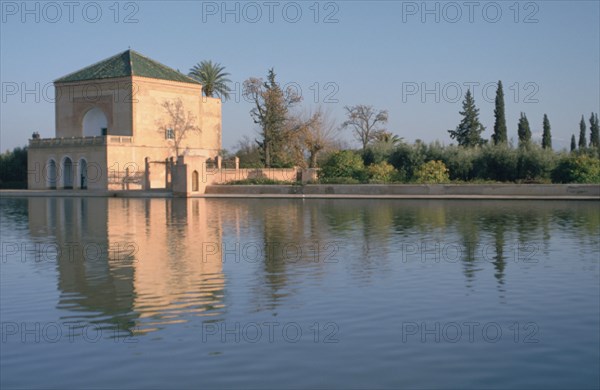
[(213, 78), (386, 137)]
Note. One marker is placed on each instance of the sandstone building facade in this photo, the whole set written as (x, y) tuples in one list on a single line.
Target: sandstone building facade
[(117, 127)]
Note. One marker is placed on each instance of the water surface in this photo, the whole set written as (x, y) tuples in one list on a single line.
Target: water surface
[(196, 293)]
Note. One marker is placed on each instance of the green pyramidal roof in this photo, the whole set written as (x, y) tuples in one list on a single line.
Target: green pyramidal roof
[(127, 63)]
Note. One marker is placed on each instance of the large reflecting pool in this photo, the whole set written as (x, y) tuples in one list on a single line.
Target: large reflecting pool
[(205, 293)]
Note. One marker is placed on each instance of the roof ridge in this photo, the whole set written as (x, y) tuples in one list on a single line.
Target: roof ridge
[(165, 67), (127, 64), (89, 66)]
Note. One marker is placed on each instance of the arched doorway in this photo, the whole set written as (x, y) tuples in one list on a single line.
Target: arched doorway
[(195, 181), (94, 123), (67, 172), (51, 175), (83, 175)]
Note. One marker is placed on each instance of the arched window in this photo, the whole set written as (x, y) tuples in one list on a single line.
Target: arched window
[(94, 123), (195, 181), (83, 174), (51, 175), (67, 171)]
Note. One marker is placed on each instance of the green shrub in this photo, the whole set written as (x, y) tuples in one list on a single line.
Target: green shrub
[(343, 164), (460, 162), (377, 152), (535, 163), (577, 169), (432, 172), (381, 173), (496, 163), (407, 159)]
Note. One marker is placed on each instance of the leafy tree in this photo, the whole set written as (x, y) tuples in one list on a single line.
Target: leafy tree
[(468, 132), (573, 143), (271, 113), (407, 158), (365, 122), (249, 153), (500, 132), (13, 168), (343, 164), (213, 78), (179, 124), (594, 131), (546, 136), (582, 140), (524, 131), (383, 145)]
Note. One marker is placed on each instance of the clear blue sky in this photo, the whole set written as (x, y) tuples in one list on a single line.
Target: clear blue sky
[(382, 53)]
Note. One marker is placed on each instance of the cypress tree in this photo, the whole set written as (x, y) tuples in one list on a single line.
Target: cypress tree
[(546, 136), (582, 141), (524, 131), (500, 133), (468, 132), (594, 131), (573, 143)]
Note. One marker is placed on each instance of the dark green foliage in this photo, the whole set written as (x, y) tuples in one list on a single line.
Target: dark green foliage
[(573, 143), (535, 163), (13, 169), (594, 131), (582, 141), (468, 132), (498, 163), (546, 136), (378, 152), (407, 158), (344, 164), (249, 154), (271, 113), (460, 162), (486, 163), (524, 131), (577, 169), (500, 132), (374, 156)]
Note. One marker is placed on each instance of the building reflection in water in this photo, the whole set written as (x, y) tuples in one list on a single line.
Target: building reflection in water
[(129, 265), (139, 265)]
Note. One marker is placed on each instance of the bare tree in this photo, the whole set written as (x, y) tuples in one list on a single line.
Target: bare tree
[(317, 134), (178, 124), (365, 122)]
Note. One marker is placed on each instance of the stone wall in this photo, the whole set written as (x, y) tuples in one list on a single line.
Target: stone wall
[(508, 191), (191, 175)]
